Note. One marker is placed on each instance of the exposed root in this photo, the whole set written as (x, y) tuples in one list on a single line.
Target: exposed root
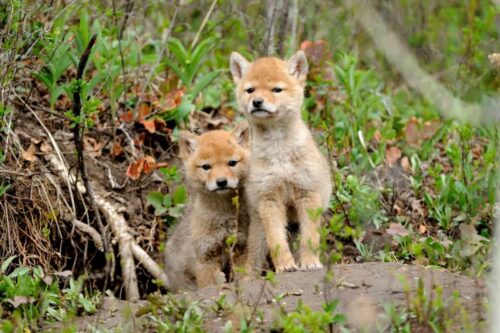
[(148, 263), (128, 247), (84, 227)]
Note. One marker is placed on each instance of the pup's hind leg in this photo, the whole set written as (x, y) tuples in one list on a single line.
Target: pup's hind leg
[(309, 231), (273, 216)]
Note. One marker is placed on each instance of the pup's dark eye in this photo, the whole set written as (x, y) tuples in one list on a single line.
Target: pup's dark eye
[(232, 163), (206, 167), (250, 90), (277, 90)]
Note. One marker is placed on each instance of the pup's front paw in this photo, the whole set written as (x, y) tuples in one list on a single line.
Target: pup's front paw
[(286, 266), (310, 265)]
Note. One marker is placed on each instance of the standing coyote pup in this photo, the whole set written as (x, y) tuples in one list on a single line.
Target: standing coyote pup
[(216, 164), (288, 177)]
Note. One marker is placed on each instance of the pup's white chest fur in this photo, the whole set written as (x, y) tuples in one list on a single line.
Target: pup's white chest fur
[(281, 158)]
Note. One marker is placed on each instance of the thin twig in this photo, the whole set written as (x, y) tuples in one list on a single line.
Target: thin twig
[(128, 8), (78, 138), (203, 24), (257, 302)]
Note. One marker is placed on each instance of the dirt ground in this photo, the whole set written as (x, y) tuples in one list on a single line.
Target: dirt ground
[(362, 290)]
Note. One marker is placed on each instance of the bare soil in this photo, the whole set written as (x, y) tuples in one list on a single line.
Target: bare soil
[(362, 290)]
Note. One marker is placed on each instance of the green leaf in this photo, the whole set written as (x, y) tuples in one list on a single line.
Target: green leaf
[(6, 264), (178, 50), (178, 71), (45, 75), (155, 199), (196, 58), (182, 111), (202, 83), (3, 188), (20, 271), (167, 201), (176, 211), (180, 195)]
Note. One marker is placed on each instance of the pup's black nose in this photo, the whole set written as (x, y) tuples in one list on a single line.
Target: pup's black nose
[(257, 102), (221, 182)]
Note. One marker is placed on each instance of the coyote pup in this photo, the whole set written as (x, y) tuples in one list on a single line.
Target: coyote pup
[(216, 165), (288, 176)]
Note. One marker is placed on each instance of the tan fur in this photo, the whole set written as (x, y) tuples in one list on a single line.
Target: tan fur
[(288, 175), (197, 248)]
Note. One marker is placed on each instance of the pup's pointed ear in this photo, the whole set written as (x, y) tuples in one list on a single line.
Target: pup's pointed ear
[(297, 66), (239, 66), (241, 133), (188, 142)]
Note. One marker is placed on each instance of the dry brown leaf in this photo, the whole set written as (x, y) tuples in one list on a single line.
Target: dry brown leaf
[(430, 128), (20, 300), (149, 125), (29, 155), (173, 99), (396, 229), (117, 149), (315, 51), (48, 280), (45, 147), (144, 110), (149, 164), (160, 123), (412, 132), (306, 45), (127, 117), (405, 164), (477, 152), (134, 170), (139, 139), (392, 155), (397, 209), (35, 140), (92, 146)]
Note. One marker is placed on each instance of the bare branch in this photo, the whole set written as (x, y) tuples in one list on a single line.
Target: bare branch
[(271, 17), (78, 138), (96, 238), (203, 24), (151, 266), (284, 13)]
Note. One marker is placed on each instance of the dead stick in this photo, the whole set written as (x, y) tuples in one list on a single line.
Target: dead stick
[(268, 47), (203, 24), (282, 32), (77, 135)]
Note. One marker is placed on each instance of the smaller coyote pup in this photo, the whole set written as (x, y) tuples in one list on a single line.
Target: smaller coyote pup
[(289, 178), (216, 164)]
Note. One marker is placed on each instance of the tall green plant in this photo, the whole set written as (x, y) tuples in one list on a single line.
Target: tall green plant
[(186, 65)]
